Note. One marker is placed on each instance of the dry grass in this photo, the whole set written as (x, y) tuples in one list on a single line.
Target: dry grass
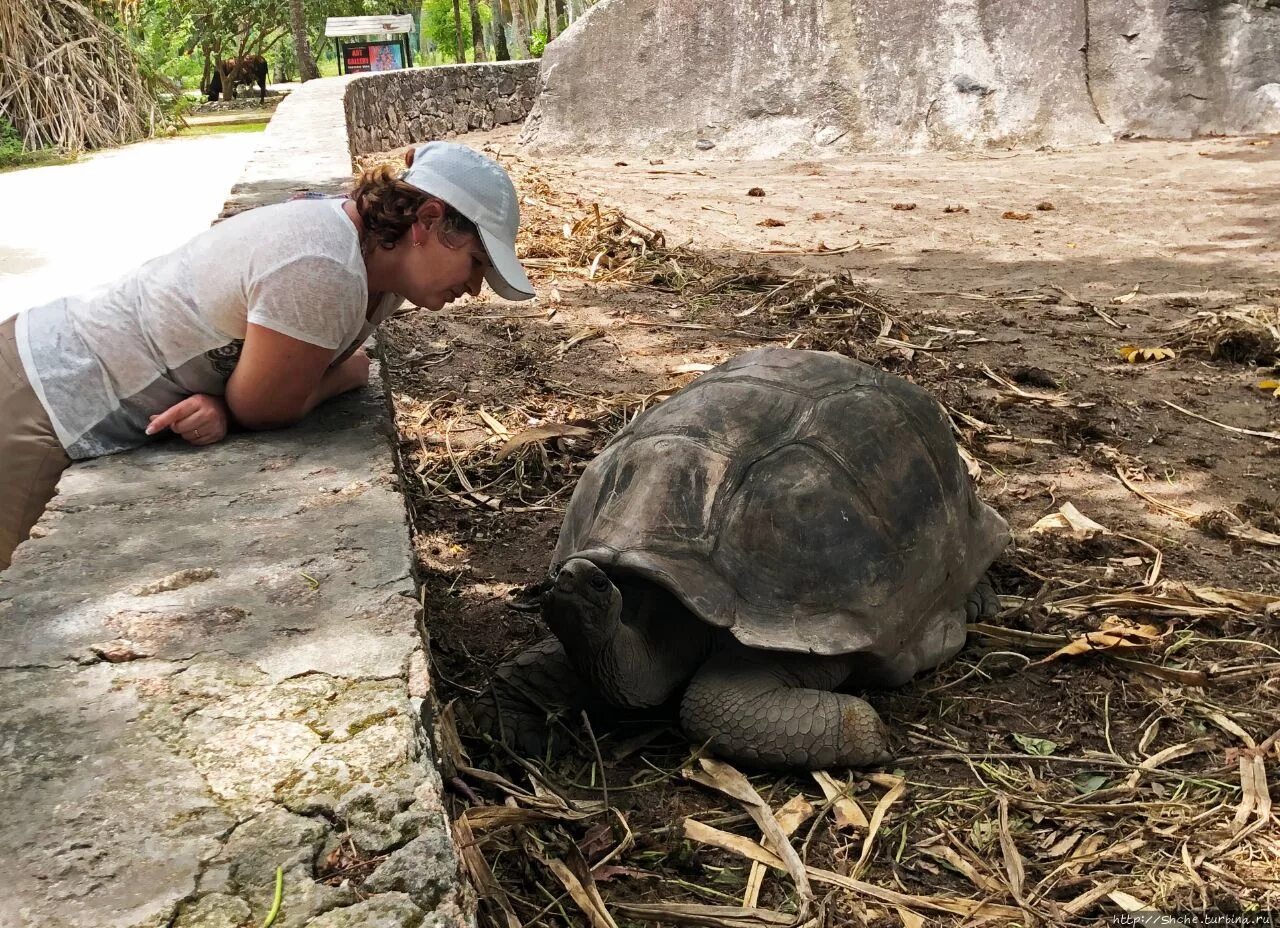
[(1105, 744), (68, 79)]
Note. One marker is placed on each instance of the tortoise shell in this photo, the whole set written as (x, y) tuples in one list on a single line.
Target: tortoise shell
[(803, 500)]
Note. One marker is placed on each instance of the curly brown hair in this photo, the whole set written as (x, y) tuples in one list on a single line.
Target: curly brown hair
[(388, 207)]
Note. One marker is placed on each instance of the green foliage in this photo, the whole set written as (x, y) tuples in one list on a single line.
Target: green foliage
[(537, 42), (438, 25), (1038, 746), (13, 155), (161, 39), (10, 143)]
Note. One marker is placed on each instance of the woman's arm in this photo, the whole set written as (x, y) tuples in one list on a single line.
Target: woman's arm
[(279, 379)]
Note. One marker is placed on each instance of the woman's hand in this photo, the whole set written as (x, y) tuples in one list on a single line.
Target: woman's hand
[(353, 372), (200, 419)]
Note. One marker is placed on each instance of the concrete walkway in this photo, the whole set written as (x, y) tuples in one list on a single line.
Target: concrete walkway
[(211, 667), (70, 227)]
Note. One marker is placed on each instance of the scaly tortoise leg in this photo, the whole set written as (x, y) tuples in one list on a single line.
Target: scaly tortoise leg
[(768, 709), (525, 693)]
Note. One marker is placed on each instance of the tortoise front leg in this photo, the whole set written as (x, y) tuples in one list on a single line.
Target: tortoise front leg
[(526, 693), (982, 603), (768, 709)]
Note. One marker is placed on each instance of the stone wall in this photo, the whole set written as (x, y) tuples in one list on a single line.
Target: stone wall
[(396, 108), (211, 666), (762, 77)]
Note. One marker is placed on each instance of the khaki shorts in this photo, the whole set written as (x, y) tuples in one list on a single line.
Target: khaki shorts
[(31, 457)]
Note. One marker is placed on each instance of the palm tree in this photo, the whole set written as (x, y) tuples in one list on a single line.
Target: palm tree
[(477, 31), (457, 31), (307, 69)]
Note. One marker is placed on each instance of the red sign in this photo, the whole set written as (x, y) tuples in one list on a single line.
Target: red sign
[(372, 56)]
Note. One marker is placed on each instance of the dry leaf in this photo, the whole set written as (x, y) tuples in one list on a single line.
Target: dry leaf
[(483, 819), (585, 335), (1069, 520), (1271, 386), (745, 847), (1020, 217), (771, 223), (481, 876), (848, 813), (1134, 354), (1134, 904), (494, 426), (756, 192), (904, 206), (541, 433), (1126, 297), (1047, 398), (576, 877), (895, 793), (691, 368), (1115, 634), (726, 778), (609, 872), (791, 816), (1045, 206), (953, 859), (972, 465), (910, 919), (955, 209), (1013, 865), (711, 916), (1246, 602)]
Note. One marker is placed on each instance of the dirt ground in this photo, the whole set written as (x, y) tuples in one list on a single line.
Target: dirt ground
[(1012, 285)]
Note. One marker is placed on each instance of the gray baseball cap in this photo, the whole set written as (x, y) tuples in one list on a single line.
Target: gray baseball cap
[(480, 189)]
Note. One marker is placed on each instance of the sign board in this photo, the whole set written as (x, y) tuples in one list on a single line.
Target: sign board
[(358, 57), (336, 26)]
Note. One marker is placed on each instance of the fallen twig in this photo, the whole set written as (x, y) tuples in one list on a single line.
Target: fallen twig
[(1274, 436)]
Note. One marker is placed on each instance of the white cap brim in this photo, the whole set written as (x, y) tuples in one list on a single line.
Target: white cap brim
[(506, 276)]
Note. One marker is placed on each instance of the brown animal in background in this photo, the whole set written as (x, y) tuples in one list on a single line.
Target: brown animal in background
[(250, 69)]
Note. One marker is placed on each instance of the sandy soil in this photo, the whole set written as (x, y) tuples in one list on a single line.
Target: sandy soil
[(1006, 283)]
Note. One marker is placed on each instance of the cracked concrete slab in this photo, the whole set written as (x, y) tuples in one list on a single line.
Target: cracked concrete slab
[(211, 667), (201, 685)]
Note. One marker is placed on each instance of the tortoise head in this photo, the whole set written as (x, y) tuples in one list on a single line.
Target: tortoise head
[(583, 608)]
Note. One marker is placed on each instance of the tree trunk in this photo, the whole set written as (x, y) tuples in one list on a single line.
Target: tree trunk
[(307, 69), (477, 32), (553, 23), (520, 30), (415, 10), (562, 16), (500, 50), (457, 31), (205, 75)]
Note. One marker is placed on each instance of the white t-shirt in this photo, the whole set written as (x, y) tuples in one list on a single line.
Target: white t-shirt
[(104, 362)]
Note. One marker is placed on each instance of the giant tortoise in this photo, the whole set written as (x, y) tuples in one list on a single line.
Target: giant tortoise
[(791, 523)]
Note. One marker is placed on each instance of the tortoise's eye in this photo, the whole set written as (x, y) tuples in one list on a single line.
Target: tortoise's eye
[(600, 581)]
